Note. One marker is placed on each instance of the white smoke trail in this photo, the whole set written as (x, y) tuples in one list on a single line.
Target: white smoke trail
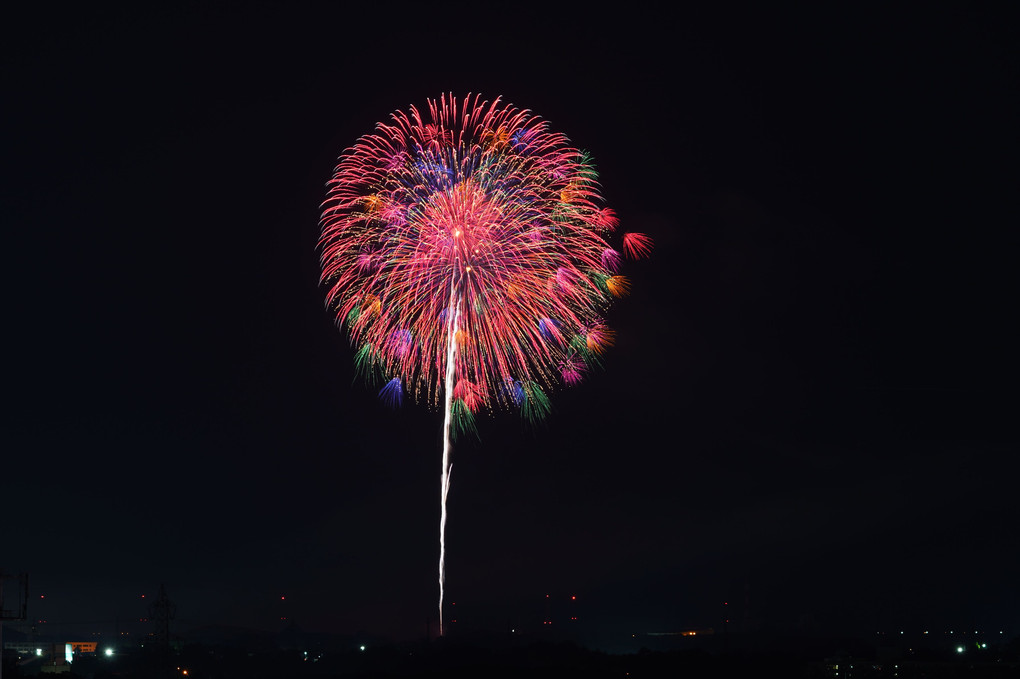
[(451, 350)]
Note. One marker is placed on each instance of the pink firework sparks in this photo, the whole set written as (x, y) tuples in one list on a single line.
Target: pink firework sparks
[(637, 245)]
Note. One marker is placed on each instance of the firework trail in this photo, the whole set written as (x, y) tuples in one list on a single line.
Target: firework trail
[(467, 252), (453, 314)]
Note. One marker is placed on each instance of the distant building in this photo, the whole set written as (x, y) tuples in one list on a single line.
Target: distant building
[(88, 647), (23, 647), (53, 658), (46, 648)]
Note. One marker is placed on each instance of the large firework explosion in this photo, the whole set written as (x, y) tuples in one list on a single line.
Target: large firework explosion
[(468, 256)]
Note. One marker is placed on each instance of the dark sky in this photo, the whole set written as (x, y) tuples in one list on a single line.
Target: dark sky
[(809, 412)]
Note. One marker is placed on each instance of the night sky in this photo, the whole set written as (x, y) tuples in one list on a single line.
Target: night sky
[(810, 411)]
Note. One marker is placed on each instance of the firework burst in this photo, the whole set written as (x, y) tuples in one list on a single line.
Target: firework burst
[(481, 207), (467, 253)]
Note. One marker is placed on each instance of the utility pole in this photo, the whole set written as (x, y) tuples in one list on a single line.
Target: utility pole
[(161, 612), (19, 611)]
